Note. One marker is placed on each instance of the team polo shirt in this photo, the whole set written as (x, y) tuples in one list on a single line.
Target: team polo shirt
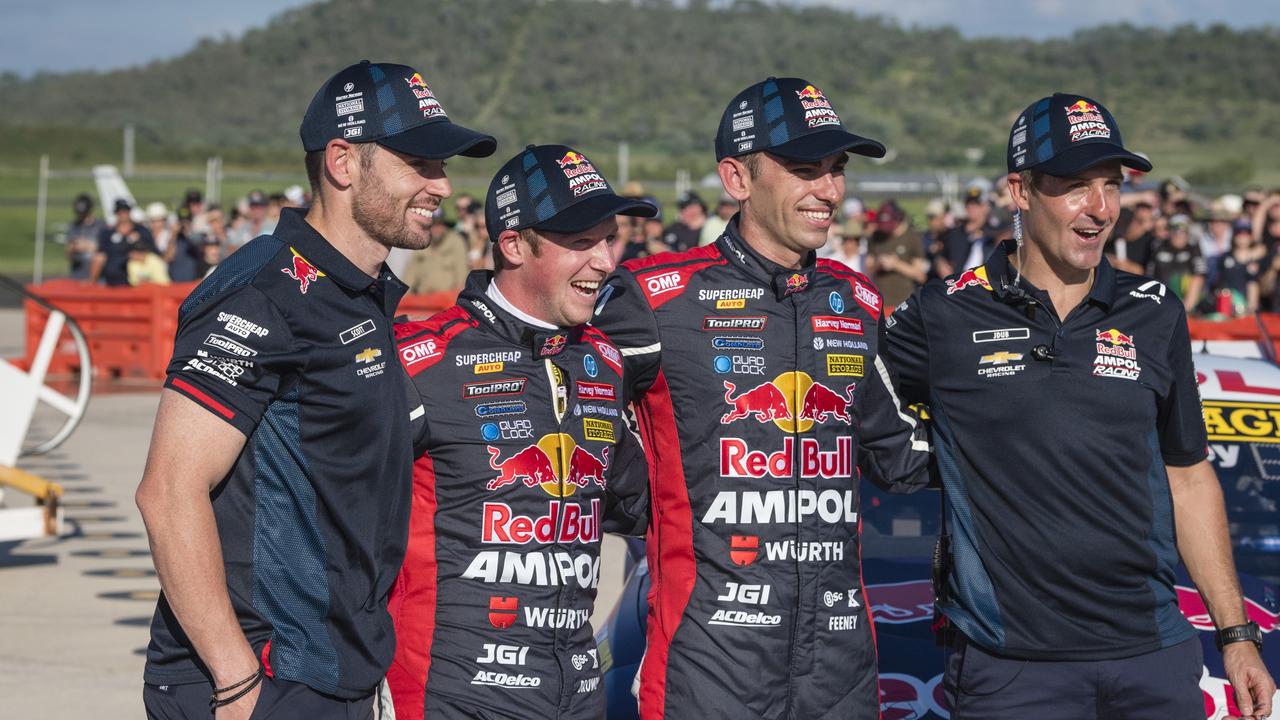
[(1052, 439), (293, 345)]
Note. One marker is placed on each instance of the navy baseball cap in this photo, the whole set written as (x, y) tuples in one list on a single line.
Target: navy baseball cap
[(557, 189), (1066, 134), (392, 106), (788, 117)]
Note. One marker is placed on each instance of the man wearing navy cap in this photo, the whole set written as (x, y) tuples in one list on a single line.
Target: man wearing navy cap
[(524, 457), (1070, 441), (276, 492), (762, 399)]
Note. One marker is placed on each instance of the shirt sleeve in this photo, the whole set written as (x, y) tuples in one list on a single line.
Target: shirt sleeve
[(623, 313), (231, 354), (893, 441), (906, 348), (626, 510), (1180, 419)]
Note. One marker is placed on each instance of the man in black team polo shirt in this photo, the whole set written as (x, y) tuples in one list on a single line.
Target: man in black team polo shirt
[(1069, 437), (276, 493)]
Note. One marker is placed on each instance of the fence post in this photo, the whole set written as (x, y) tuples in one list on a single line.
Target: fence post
[(42, 201)]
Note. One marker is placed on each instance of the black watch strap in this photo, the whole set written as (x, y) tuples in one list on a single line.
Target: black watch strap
[(1248, 632)]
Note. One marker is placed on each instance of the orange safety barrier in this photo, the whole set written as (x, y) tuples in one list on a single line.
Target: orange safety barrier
[(130, 330), (1262, 327)]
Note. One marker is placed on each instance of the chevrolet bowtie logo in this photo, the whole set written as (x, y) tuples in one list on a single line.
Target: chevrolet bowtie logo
[(1000, 358), (368, 354)]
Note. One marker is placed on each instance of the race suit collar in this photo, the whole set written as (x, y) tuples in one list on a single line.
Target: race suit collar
[(784, 281), (1002, 274), (498, 316), (294, 230)]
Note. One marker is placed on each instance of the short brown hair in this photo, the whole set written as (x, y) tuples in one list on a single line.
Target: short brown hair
[(529, 236), (751, 162), (1031, 178), (314, 163)]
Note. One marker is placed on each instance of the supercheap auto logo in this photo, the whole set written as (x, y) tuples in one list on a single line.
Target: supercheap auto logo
[(793, 401), (555, 463)]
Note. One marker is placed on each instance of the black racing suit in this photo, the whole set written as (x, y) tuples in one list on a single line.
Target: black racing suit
[(761, 399), (515, 473)]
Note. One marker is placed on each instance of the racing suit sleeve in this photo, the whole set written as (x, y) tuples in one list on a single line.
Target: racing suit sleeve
[(623, 313), (893, 442), (1179, 417), (231, 354), (905, 348), (626, 505)]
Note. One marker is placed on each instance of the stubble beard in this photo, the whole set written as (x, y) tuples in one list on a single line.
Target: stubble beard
[(376, 214)]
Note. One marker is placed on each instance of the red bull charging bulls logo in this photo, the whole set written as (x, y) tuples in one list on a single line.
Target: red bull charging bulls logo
[(976, 277), (556, 463), (777, 401), (1114, 337), (570, 159), (302, 271)]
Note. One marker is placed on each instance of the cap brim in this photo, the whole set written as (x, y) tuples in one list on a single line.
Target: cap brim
[(440, 140), (592, 211), (1082, 157), (816, 146)]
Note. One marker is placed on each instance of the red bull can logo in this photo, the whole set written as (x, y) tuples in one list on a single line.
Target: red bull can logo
[(1114, 337), (976, 277), (570, 159), (1080, 107), (793, 401), (556, 463), (302, 271)]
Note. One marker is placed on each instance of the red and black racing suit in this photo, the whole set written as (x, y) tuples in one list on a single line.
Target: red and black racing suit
[(515, 475), (761, 395)]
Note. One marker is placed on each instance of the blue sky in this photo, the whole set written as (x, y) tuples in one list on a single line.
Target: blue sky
[(62, 35)]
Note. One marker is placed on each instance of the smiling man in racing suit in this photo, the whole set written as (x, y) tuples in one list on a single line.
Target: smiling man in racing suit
[(524, 455), (756, 378)]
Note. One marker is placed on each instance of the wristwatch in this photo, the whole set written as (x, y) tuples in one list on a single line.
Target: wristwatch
[(1248, 632)]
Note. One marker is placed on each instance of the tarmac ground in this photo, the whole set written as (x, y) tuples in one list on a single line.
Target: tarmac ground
[(75, 610)]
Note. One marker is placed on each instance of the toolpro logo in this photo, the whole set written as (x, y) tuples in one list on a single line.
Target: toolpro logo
[(302, 271), (556, 463), (976, 277), (778, 400)]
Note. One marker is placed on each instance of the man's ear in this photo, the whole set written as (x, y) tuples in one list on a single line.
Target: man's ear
[(341, 163), (735, 177)]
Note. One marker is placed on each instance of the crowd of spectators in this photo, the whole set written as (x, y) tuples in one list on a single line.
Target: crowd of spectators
[(1220, 256), (159, 245)]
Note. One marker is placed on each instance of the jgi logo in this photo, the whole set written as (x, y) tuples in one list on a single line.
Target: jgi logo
[(744, 593), (503, 654), (739, 364)]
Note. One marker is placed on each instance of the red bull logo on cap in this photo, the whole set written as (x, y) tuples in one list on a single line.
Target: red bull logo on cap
[(817, 109), (810, 93), (570, 159), (556, 463), (1081, 107), (974, 277), (793, 401), (427, 102), (302, 271)]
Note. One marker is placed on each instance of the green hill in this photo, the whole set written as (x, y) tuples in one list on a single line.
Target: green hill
[(658, 76)]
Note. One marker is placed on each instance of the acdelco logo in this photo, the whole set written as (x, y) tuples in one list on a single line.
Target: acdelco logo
[(741, 618), (505, 680)]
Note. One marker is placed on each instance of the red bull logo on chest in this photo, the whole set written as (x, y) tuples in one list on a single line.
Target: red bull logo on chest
[(556, 463), (793, 401), (975, 277), (302, 271)]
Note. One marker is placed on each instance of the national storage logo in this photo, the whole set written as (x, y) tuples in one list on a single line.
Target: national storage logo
[(1242, 421)]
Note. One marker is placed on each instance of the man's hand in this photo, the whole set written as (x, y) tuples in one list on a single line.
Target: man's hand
[(241, 709), (1250, 680)]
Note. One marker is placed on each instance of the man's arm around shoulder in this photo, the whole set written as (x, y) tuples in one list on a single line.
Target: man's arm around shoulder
[(191, 452), (1205, 546)]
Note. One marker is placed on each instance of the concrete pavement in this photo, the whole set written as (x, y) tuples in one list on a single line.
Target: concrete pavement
[(75, 610)]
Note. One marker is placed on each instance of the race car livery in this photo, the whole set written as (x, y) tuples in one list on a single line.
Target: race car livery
[(761, 398), (522, 463), (1053, 438)]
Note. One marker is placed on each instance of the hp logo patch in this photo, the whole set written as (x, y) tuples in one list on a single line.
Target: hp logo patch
[(837, 302), (589, 364)]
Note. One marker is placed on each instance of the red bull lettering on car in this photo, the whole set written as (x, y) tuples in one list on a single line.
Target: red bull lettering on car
[(302, 271), (1193, 607), (901, 602)]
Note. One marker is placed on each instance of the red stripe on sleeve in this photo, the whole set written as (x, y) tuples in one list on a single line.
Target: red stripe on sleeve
[(199, 395), (412, 604), (670, 543)]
